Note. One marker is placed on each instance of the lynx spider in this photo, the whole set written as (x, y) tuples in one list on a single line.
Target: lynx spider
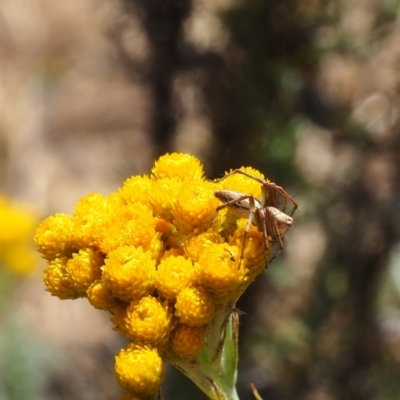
[(268, 213)]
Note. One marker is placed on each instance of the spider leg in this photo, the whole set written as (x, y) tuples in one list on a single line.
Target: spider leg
[(256, 178), (270, 189), (265, 233), (237, 202), (252, 214), (233, 201), (239, 171), (286, 196), (275, 233), (268, 213)]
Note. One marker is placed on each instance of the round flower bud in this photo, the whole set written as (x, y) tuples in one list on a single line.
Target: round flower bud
[(119, 318), (182, 166), (194, 306), (100, 296), (92, 217), (139, 370), (129, 272), (84, 268), (57, 281), (54, 236), (241, 183), (187, 341), (195, 207), (196, 245), (163, 197), (255, 254), (148, 321), (136, 189), (220, 273), (133, 225), (174, 274)]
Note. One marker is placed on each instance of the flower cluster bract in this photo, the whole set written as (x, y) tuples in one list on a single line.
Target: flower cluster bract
[(159, 257)]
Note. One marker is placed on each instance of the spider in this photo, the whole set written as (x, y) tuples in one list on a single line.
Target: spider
[(268, 213)]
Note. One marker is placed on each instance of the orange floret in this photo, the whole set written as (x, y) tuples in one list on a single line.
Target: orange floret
[(187, 341)]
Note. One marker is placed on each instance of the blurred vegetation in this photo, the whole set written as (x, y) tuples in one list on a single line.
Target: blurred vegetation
[(306, 91)]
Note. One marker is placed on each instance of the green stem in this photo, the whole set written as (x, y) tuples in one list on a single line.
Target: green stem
[(214, 369)]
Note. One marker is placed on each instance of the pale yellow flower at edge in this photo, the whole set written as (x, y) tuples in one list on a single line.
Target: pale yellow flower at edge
[(17, 225)]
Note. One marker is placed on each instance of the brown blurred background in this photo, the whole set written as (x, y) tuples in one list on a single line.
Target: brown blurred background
[(307, 91)]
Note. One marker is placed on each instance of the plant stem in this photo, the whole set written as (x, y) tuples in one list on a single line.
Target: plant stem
[(214, 369)]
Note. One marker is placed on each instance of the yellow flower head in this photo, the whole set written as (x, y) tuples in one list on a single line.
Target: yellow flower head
[(136, 189), (139, 370), (255, 252), (15, 221), (174, 274), (197, 245), (20, 257), (134, 225), (187, 341), (162, 196), (220, 273), (148, 321), (92, 218), (57, 280), (54, 237), (84, 268), (101, 297), (182, 166), (194, 306), (129, 272), (118, 318), (17, 226), (159, 256), (195, 207), (244, 184)]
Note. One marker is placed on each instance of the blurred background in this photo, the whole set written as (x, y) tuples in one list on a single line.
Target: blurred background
[(307, 91)]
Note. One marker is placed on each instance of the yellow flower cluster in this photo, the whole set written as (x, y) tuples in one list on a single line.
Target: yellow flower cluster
[(159, 257), (16, 228)]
